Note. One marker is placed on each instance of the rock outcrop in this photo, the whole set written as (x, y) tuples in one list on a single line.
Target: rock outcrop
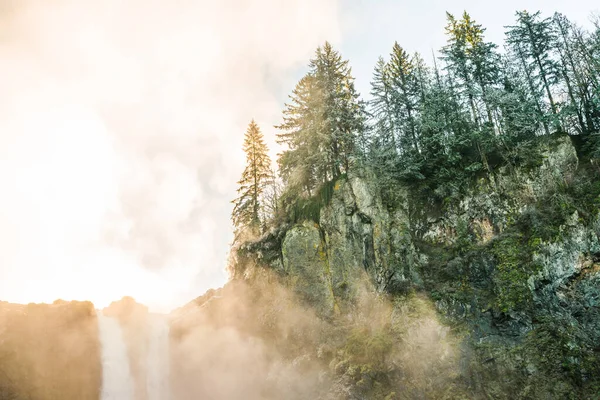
[(355, 232), (490, 293), (515, 260)]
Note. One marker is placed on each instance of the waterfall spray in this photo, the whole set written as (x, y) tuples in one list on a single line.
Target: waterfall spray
[(117, 383), (157, 382)]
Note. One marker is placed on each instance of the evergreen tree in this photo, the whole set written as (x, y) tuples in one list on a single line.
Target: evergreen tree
[(473, 70), (446, 137), (588, 49), (381, 106), (521, 114), (592, 48), (302, 162), (321, 124), (405, 96), (440, 128), (270, 198), (342, 113), (534, 40), (383, 149), (580, 85), (473, 63), (422, 73), (522, 68), (568, 73), (256, 177)]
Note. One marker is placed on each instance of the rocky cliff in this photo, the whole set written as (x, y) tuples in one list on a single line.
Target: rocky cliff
[(325, 257), (516, 261), (513, 263), (492, 292)]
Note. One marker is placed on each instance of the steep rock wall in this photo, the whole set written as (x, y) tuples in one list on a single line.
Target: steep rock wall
[(515, 261), (325, 259)]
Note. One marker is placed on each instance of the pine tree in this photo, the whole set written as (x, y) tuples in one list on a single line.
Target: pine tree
[(342, 111), (383, 149), (591, 48), (255, 178), (302, 162), (321, 124), (398, 89), (534, 40), (588, 50), (381, 106), (457, 63), (405, 95), (519, 60), (472, 66), (579, 86), (521, 114), (423, 77)]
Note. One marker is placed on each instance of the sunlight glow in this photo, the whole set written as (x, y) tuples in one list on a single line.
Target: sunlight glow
[(120, 139)]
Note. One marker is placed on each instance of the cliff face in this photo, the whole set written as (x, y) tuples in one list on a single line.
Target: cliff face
[(490, 293), (514, 262), (324, 260)]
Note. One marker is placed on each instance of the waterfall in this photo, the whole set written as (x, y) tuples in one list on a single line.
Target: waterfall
[(117, 383), (157, 378)]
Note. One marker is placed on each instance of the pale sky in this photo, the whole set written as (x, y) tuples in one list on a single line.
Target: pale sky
[(121, 126)]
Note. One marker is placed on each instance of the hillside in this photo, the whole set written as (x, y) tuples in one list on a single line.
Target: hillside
[(511, 269)]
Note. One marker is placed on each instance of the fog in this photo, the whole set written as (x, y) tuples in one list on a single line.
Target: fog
[(251, 339), (260, 341), (121, 126)]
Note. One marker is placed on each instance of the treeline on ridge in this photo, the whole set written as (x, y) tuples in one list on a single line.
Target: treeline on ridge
[(435, 128)]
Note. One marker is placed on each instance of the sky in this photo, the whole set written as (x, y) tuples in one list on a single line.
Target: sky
[(121, 126)]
